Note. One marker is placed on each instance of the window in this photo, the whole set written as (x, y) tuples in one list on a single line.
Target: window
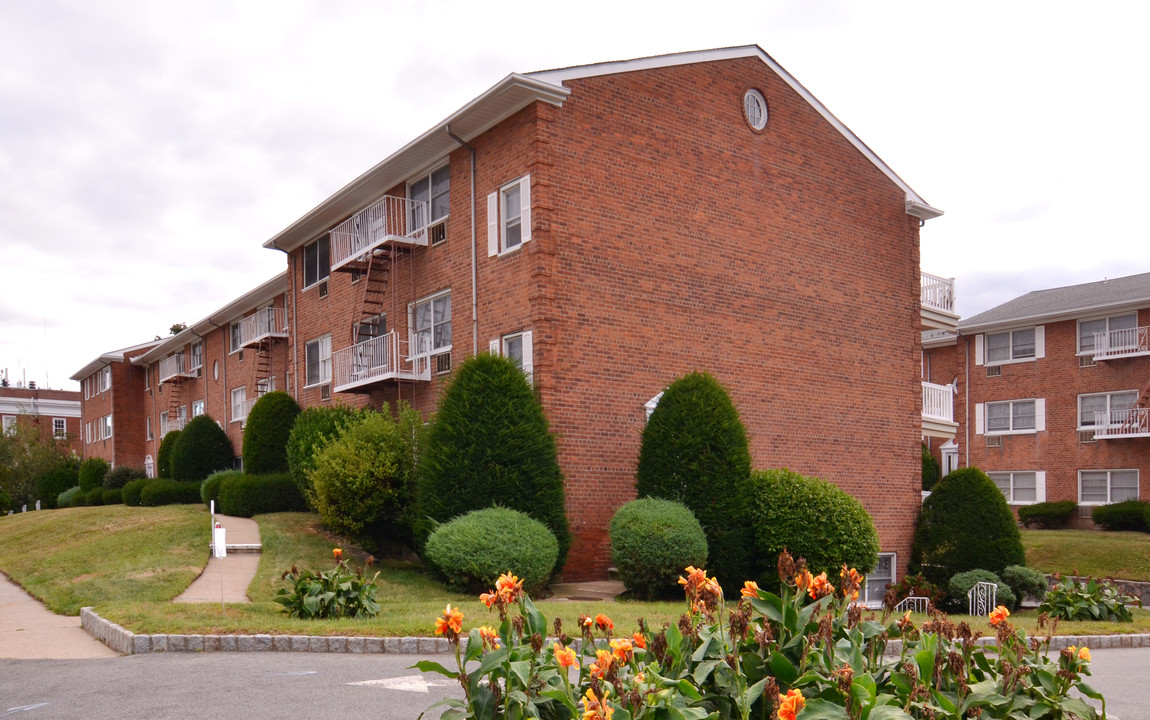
[(59, 428), (1012, 416), (518, 347), (1007, 346), (755, 109), (431, 319), (197, 356), (197, 408), (316, 261), (431, 198), (87, 387), (88, 433), (164, 429), (1109, 407), (509, 216), (317, 358), (237, 336), (369, 328), (265, 385), (148, 428), (106, 427), (1087, 329), (9, 424), (1099, 487), (239, 403), (1021, 488), (182, 415), (147, 377), (877, 580)]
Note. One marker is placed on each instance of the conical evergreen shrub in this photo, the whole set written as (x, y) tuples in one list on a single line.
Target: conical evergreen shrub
[(266, 434), (201, 449), (164, 454)]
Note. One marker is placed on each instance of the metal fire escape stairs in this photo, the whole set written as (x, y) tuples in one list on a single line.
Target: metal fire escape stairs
[(264, 365)]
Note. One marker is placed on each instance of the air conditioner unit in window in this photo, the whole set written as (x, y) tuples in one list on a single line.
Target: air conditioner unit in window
[(993, 441), (325, 392), (994, 371), (323, 289), (443, 363)]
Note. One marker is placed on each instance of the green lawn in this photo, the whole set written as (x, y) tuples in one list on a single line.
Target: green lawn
[(1096, 553)]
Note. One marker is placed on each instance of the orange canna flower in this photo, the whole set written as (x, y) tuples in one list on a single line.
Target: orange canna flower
[(622, 649), (565, 656), (490, 637), (713, 587), (586, 621), (791, 704), (803, 580), (602, 664), (452, 621), (488, 599), (640, 641), (750, 589), (641, 678), (820, 587), (1084, 654), (338, 553), (509, 587), (998, 614), (604, 623), (594, 709)]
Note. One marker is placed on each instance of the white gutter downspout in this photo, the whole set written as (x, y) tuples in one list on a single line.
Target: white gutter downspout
[(474, 258)]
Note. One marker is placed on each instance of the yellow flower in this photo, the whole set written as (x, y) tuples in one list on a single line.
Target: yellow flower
[(640, 641), (622, 649), (604, 623), (1084, 654), (791, 705), (593, 709), (998, 614), (490, 637), (565, 656), (750, 589), (602, 664), (509, 588), (452, 620), (820, 587)]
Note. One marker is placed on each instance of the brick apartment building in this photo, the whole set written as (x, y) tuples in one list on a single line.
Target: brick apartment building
[(612, 227), (1056, 393), (56, 413), (112, 408)]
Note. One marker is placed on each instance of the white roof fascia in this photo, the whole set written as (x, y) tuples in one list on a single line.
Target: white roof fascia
[(915, 205), (107, 359), (42, 407)]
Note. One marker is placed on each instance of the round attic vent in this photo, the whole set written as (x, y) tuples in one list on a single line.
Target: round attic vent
[(755, 109)]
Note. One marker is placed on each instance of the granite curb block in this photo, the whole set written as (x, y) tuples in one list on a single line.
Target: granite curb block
[(126, 642)]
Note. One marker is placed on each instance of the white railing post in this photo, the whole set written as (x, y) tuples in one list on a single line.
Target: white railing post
[(937, 292)]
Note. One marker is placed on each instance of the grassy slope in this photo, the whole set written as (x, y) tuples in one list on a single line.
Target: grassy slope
[(1123, 555)]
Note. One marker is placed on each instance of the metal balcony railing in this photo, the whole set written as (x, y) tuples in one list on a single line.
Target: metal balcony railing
[(389, 219), (380, 358), (1131, 423), (938, 401), (266, 323), (937, 293), (178, 366), (1122, 343)]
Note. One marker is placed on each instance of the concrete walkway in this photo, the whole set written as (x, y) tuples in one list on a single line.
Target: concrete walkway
[(226, 580), (29, 631)]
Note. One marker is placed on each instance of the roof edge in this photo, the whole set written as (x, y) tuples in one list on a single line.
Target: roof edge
[(1060, 316)]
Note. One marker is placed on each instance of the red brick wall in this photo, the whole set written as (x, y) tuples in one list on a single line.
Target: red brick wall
[(29, 399), (124, 400)]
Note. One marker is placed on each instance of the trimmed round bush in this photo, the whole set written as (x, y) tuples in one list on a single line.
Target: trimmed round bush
[(491, 444), (651, 542), (112, 497), (161, 491), (202, 449), (94, 497), (965, 524), (52, 483), (121, 475), (961, 584), (694, 451), (473, 550), (92, 472), (931, 472), (246, 495), (1025, 582), (67, 498), (1128, 515), (1047, 515), (314, 428), (266, 433), (130, 493), (210, 489), (164, 454), (812, 519)]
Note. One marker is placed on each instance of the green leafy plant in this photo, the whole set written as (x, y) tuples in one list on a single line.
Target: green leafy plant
[(244, 495), (121, 475), (1127, 515), (131, 492), (313, 429), (474, 549), (961, 584), (651, 542), (164, 454), (94, 497), (201, 449), (52, 483), (332, 594), (161, 491), (67, 498), (1025, 582), (931, 472), (1090, 599), (1047, 515), (92, 473), (111, 497), (266, 433), (210, 489)]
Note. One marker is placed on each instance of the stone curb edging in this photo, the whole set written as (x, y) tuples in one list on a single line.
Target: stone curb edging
[(126, 642)]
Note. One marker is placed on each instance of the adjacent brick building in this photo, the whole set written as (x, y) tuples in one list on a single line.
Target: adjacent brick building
[(55, 413), (113, 414)]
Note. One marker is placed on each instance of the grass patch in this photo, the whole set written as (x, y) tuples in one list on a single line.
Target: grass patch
[(97, 555), (1095, 553)]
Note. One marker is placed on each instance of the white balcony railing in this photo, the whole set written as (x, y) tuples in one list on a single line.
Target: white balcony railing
[(1131, 423), (268, 322), (1122, 343), (937, 293), (938, 402), (178, 366), (389, 219), (380, 358), (166, 426)]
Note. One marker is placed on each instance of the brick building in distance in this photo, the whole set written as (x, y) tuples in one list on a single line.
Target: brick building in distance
[(113, 406), (55, 413), (612, 227)]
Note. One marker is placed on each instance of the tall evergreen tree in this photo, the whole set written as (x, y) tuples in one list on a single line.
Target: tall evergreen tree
[(201, 449), (266, 433)]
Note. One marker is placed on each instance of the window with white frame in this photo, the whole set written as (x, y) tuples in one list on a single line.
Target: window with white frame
[(1007, 346), (182, 414), (265, 385), (239, 403), (431, 196), (874, 590), (88, 432), (148, 428), (316, 261), (105, 427), (509, 216), (197, 359), (197, 408), (1021, 488), (59, 427), (518, 347), (431, 320), (9, 424), (87, 387), (236, 336), (1011, 416), (317, 360), (1106, 405), (164, 421), (1100, 487), (147, 377), (1088, 328)]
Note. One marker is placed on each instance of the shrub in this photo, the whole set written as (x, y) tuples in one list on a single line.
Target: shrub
[(6, 502), (1087, 600), (491, 444), (120, 476), (131, 491), (314, 428), (965, 524), (1049, 515), (266, 433), (917, 586), (961, 584), (210, 489), (92, 473), (1025, 582), (812, 519), (111, 497), (931, 472), (652, 541), (694, 451), (52, 483), (1128, 515), (202, 449), (245, 495), (473, 550), (164, 454), (67, 498), (336, 593), (94, 497), (161, 491)]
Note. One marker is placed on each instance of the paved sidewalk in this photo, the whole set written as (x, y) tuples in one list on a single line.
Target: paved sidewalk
[(29, 631), (226, 580)]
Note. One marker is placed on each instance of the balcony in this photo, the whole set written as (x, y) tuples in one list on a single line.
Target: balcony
[(1115, 344), (166, 426), (371, 361), (937, 296), (938, 411), (1132, 423), (270, 322), (389, 219), (177, 367)]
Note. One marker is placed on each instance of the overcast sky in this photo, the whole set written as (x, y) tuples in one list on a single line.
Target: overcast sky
[(147, 149)]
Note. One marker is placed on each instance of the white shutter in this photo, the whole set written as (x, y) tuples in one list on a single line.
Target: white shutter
[(493, 347), (1040, 486), (979, 419), (1040, 342), (979, 341), (493, 224), (525, 210), (528, 357), (1040, 414)]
